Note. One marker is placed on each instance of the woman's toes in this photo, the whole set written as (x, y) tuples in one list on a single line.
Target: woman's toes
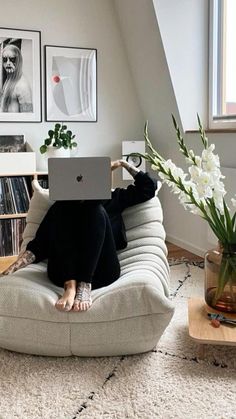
[(84, 305), (76, 306), (63, 305), (68, 307), (60, 305)]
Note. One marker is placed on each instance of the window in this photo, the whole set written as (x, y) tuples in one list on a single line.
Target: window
[(222, 64)]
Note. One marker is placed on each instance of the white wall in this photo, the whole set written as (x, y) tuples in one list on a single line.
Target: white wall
[(83, 23)]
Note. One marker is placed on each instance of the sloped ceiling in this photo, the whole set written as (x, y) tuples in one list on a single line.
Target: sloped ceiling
[(142, 40)]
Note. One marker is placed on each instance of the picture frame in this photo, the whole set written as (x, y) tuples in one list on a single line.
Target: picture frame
[(12, 143), (70, 84), (20, 75)]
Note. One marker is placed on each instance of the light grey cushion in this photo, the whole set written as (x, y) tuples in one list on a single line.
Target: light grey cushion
[(127, 317)]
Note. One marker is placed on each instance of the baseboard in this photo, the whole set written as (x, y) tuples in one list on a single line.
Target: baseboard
[(186, 245)]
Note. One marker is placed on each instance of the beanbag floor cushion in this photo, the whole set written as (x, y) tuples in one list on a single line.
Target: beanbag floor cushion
[(127, 317)]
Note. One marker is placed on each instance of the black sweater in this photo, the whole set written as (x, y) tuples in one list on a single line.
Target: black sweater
[(142, 190)]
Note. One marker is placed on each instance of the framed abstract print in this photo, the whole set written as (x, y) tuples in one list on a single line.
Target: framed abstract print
[(70, 84)]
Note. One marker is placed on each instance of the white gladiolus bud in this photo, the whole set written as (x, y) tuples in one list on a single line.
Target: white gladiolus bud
[(196, 211), (198, 161), (154, 167), (233, 202)]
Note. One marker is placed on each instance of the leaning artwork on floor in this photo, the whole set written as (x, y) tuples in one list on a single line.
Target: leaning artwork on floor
[(169, 382)]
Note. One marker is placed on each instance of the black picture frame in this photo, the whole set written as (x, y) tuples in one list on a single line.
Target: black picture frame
[(20, 55), (70, 84)]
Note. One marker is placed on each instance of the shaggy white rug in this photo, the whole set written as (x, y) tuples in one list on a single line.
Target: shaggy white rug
[(168, 383)]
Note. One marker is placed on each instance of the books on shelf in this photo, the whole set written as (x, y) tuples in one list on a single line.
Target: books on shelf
[(14, 195), (43, 182), (11, 232)]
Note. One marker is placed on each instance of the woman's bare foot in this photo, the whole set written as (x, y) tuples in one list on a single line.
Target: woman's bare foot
[(83, 298), (24, 259), (65, 303)]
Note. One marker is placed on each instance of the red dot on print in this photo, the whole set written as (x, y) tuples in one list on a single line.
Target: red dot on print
[(56, 79)]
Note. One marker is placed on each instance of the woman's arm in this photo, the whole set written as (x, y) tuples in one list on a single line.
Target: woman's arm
[(23, 260), (123, 163), (143, 189)]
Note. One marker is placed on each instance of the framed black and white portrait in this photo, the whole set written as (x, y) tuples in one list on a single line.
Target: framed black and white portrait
[(20, 75), (70, 84)]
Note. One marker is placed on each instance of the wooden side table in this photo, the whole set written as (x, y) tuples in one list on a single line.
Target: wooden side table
[(201, 330)]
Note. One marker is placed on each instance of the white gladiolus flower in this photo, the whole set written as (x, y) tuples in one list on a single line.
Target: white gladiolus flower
[(210, 164), (176, 172), (233, 202), (194, 172), (201, 192), (204, 191), (162, 175), (219, 189)]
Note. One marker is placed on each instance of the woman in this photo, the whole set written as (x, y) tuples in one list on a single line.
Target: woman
[(80, 240)]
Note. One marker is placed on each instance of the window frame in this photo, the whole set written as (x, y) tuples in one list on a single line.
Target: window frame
[(216, 51)]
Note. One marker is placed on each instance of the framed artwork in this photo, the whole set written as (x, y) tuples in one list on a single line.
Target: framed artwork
[(12, 143), (70, 84), (20, 75)]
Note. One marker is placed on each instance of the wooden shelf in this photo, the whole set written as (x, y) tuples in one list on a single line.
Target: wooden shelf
[(24, 174), (18, 215)]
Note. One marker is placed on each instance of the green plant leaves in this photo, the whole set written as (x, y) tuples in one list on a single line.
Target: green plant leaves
[(43, 149), (48, 141), (59, 137)]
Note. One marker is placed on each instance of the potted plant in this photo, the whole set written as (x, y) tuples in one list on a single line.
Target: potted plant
[(58, 138)]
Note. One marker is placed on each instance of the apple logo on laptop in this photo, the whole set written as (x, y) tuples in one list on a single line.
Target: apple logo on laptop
[(79, 178)]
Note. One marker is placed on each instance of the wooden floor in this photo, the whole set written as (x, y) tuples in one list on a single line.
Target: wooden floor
[(6, 261), (177, 253)]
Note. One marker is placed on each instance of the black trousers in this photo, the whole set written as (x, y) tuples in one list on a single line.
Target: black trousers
[(77, 239)]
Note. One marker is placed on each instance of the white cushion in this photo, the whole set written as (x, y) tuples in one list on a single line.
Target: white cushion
[(39, 205), (127, 317)]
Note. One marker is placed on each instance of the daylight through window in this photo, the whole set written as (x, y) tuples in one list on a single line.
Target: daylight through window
[(222, 64)]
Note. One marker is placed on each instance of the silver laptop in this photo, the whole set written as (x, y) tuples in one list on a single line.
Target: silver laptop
[(72, 178)]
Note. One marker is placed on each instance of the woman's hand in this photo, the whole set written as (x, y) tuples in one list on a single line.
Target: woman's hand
[(123, 163), (115, 164)]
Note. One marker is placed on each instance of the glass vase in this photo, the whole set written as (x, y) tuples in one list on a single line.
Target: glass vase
[(220, 279)]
